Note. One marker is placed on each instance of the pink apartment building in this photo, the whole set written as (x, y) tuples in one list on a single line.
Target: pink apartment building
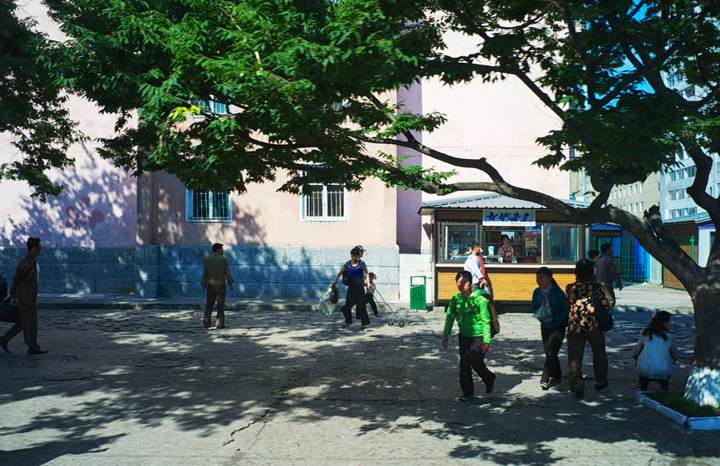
[(110, 232)]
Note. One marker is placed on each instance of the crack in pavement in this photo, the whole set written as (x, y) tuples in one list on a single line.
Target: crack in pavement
[(270, 408)]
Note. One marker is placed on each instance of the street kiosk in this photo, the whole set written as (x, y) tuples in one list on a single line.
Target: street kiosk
[(537, 236)]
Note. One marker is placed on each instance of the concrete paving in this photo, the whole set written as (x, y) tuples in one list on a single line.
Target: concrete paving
[(153, 387)]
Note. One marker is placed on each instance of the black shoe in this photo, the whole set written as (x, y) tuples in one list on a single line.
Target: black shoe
[(545, 385), (3, 345), (579, 394), (489, 388), (601, 386), (40, 351), (346, 325)]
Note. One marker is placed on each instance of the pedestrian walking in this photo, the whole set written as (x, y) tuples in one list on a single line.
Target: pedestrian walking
[(475, 265), (480, 281), (25, 290), (370, 293), (470, 309), (216, 269), (656, 352), (583, 326), (594, 256), (354, 273), (606, 274), (550, 305)]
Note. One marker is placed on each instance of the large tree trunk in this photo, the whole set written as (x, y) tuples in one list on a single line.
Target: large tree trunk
[(703, 385)]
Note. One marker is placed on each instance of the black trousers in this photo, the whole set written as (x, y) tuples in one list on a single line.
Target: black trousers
[(575, 350), (215, 292), (472, 358), (552, 339), (355, 297), (370, 299)]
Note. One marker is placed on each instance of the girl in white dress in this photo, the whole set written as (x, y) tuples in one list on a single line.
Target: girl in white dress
[(656, 352)]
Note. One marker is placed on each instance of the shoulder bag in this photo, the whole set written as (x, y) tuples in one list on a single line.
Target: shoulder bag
[(601, 312), (8, 310)]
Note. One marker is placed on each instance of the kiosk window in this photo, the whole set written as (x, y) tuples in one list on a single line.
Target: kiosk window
[(456, 240), (561, 243)]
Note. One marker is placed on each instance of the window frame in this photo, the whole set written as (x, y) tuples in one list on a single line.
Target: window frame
[(579, 237), (189, 204), (325, 217)]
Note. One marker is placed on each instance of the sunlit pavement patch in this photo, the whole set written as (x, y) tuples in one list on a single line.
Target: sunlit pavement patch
[(69, 376)]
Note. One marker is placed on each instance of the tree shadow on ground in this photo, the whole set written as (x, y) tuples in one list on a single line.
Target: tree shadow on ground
[(161, 375)]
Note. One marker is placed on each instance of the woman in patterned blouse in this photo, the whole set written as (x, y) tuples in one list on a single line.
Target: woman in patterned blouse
[(583, 326)]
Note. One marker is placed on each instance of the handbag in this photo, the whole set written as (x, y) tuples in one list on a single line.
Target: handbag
[(601, 312), (325, 306), (8, 310), (334, 295), (486, 293)]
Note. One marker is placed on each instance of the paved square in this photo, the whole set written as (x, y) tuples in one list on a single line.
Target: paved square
[(291, 387)]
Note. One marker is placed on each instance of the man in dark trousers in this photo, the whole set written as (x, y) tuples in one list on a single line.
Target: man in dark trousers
[(606, 274), (215, 270), (25, 290), (470, 309)]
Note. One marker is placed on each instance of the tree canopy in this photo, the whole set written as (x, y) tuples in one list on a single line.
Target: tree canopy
[(230, 92), (33, 107)]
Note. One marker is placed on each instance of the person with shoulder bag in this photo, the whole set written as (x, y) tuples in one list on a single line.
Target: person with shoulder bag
[(25, 290), (354, 273), (470, 309), (584, 326), (549, 306)]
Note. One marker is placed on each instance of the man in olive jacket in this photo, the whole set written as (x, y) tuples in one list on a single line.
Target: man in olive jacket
[(25, 290), (215, 270)]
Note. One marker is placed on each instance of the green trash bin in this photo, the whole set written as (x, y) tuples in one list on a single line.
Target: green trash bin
[(417, 293)]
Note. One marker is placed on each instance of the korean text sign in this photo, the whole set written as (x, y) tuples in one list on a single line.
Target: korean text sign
[(515, 218)]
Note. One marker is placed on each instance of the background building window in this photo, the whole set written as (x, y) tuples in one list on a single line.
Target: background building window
[(325, 203), (206, 206), (213, 106)]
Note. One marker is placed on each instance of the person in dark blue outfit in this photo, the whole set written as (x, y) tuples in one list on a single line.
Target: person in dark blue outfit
[(549, 296), (354, 272)]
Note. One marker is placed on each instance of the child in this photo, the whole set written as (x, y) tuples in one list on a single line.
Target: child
[(355, 271), (506, 250), (370, 294), (470, 309), (552, 330), (656, 352)]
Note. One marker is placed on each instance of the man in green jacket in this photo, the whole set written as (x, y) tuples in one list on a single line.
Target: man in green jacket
[(470, 309), (215, 270)]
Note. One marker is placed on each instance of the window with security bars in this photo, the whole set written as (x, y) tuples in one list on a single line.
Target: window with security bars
[(213, 106), (206, 206), (326, 203)]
